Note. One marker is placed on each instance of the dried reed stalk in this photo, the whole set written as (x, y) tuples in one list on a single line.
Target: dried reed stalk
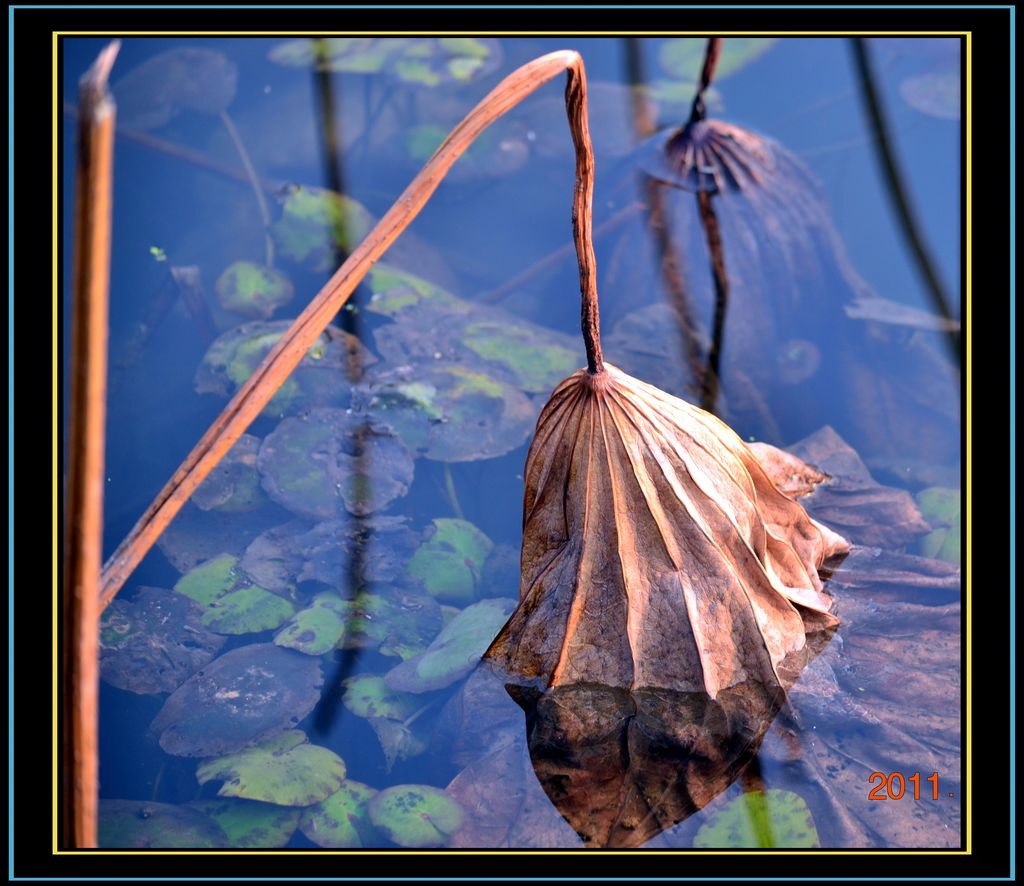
[(250, 399), (83, 536)]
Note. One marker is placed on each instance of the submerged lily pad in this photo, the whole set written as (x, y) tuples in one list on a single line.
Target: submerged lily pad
[(329, 461), (317, 629), (416, 815), (773, 819), (136, 824), (251, 825), (424, 61), (684, 57), (450, 561), (319, 380), (390, 713), (253, 290), (342, 821), (399, 624), (244, 696), (184, 79), (232, 603), (433, 326), (196, 536), (455, 651), (449, 413), (286, 771), (940, 506), (317, 224), (154, 642), (234, 485), (344, 554)]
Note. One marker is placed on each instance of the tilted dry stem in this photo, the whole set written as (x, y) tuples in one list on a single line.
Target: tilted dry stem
[(83, 527), (250, 399)]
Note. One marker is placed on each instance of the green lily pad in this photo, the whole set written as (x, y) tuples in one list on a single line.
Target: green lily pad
[(940, 506), (450, 561), (774, 819), (251, 825), (154, 642), (684, 57), (449, 413), (329, 461), (234, 485), (244, 696), (455, 651), (178, 80), (492, 155), (399, 624), (285, 770), (342, 820), (415, 815), (367, 695), (329, 552), (317, 629), (320, 379), (317, 224), (936, 93), (253, 290), (421, 61), (433, 326), (232, 604), (135, 824)]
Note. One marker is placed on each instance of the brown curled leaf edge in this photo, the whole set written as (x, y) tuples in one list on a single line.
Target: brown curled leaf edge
[(657, 552)]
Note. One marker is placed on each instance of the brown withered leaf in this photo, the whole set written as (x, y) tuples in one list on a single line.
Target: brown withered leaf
[(657, 553)]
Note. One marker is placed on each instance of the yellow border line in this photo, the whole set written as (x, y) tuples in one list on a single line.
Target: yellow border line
[(534, 852)]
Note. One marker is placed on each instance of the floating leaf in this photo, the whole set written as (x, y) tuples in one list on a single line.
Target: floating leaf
[(196, 536), (329, 461), (286, 771), (449, 413), (317, 224), (135, 824), (656, 550), (234, 485), (390, 713), (182, 79), (246, 695), (421, 61), (450, 561), (434, 326), (455, 651), (154, 642), (317, 629), (401, 624), (772, 819), (251, 825), (367, 695), (416, 816), (253, 290), (320, 379), (936, 93), (232, 603), (684, 57), (341, 821), (330, 552), (941, 507)]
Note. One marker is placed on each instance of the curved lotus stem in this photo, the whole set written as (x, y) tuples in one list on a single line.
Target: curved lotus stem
[(261, 386)]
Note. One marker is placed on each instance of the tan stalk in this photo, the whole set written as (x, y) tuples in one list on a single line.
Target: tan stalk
[(250, 399)]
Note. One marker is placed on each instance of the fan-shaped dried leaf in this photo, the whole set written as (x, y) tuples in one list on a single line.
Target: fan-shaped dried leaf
[(656, 550)]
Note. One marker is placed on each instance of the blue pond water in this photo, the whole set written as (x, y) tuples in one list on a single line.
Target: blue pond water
[(824, 328)]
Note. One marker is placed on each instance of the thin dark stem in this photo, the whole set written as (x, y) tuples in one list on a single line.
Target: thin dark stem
[(707, 74), (254, 180), (713, 234), (582, 216), (897, 190)]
